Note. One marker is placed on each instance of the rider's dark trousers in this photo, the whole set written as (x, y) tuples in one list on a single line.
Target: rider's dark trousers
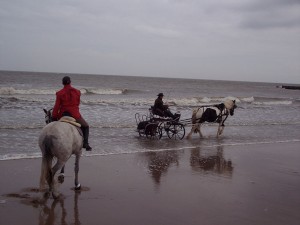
[(85, 129)]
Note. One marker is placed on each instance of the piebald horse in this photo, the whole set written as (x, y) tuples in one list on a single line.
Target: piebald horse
[(212, 114), (58, 140)]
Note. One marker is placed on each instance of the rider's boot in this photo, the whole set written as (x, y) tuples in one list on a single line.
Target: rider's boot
[(85, 131)]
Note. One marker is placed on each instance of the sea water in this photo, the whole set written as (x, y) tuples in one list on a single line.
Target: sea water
[(265, 113)]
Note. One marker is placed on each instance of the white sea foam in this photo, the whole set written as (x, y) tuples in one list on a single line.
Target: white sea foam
[(100, 91), (214, 100), (20, 156), (49, 96), (273, 103), (248, 99)]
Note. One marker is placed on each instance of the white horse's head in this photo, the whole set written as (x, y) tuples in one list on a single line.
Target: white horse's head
[(230, 105), (48, 115)]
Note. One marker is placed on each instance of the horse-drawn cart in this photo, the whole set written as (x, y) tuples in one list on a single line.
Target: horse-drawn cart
[(154, 127)]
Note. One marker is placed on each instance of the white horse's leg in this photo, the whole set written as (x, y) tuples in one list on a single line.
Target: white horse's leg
[(61, 176), (45, 168), (47, 174), (77, 184), (59, 164)]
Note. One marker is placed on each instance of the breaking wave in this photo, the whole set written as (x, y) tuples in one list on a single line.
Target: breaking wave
[(121, 99), (97, 91), (13, 91), (101, 91)]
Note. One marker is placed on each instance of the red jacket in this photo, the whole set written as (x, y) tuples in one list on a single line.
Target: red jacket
[(67, 100)]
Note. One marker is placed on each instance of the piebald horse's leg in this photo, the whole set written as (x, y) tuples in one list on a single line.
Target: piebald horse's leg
[(220, 129), (189, 134), (192, 131), (77, 184), (199, 128)]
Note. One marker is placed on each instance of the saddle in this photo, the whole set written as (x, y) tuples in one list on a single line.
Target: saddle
[(70, 120)]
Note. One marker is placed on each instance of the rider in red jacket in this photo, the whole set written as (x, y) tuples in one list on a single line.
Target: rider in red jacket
[(67, 103)]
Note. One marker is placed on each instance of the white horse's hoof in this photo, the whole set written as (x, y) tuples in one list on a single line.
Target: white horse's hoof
[(61, 178), (78, 187)]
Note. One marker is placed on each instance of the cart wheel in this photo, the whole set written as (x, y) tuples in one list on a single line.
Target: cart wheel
[(176, 131), (153, 131)]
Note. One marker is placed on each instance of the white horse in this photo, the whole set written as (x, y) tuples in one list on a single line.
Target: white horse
[(58, 140), (212, 114)]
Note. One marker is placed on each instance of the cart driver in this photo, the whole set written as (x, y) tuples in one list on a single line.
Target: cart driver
[(162, 109)]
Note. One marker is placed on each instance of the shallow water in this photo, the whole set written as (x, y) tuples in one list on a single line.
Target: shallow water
[(265, 113)]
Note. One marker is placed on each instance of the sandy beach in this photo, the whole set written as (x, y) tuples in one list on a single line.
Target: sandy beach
[(234, 184)]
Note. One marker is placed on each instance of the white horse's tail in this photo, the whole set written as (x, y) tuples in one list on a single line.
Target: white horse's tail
[(46, 161)]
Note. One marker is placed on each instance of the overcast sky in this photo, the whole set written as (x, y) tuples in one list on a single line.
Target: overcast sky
[(246, 40)]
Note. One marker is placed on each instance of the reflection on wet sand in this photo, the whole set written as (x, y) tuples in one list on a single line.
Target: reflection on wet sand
[(48, 215), (159, 162), (51, 211), (201, 160), (215, 163), (51, 215)]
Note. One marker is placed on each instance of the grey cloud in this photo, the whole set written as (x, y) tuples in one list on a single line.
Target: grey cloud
[(270, 14)]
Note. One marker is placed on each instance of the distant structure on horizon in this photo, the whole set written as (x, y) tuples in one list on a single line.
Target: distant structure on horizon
[(289, 87)]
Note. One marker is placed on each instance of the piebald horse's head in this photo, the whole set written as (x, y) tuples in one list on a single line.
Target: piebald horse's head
[(48, 115), (230, 105)]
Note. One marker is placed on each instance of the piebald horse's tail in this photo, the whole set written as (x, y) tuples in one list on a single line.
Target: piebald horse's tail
[(47, 157)]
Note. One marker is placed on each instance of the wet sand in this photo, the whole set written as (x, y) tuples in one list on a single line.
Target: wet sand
[(249, 184)]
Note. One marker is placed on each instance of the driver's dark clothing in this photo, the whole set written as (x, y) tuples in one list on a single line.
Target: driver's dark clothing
[(162, 110)]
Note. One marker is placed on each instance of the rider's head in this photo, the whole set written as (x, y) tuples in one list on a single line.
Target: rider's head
[(66, 80), (160, 95)]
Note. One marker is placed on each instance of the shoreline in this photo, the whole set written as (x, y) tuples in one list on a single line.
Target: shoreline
[(250, 184)]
